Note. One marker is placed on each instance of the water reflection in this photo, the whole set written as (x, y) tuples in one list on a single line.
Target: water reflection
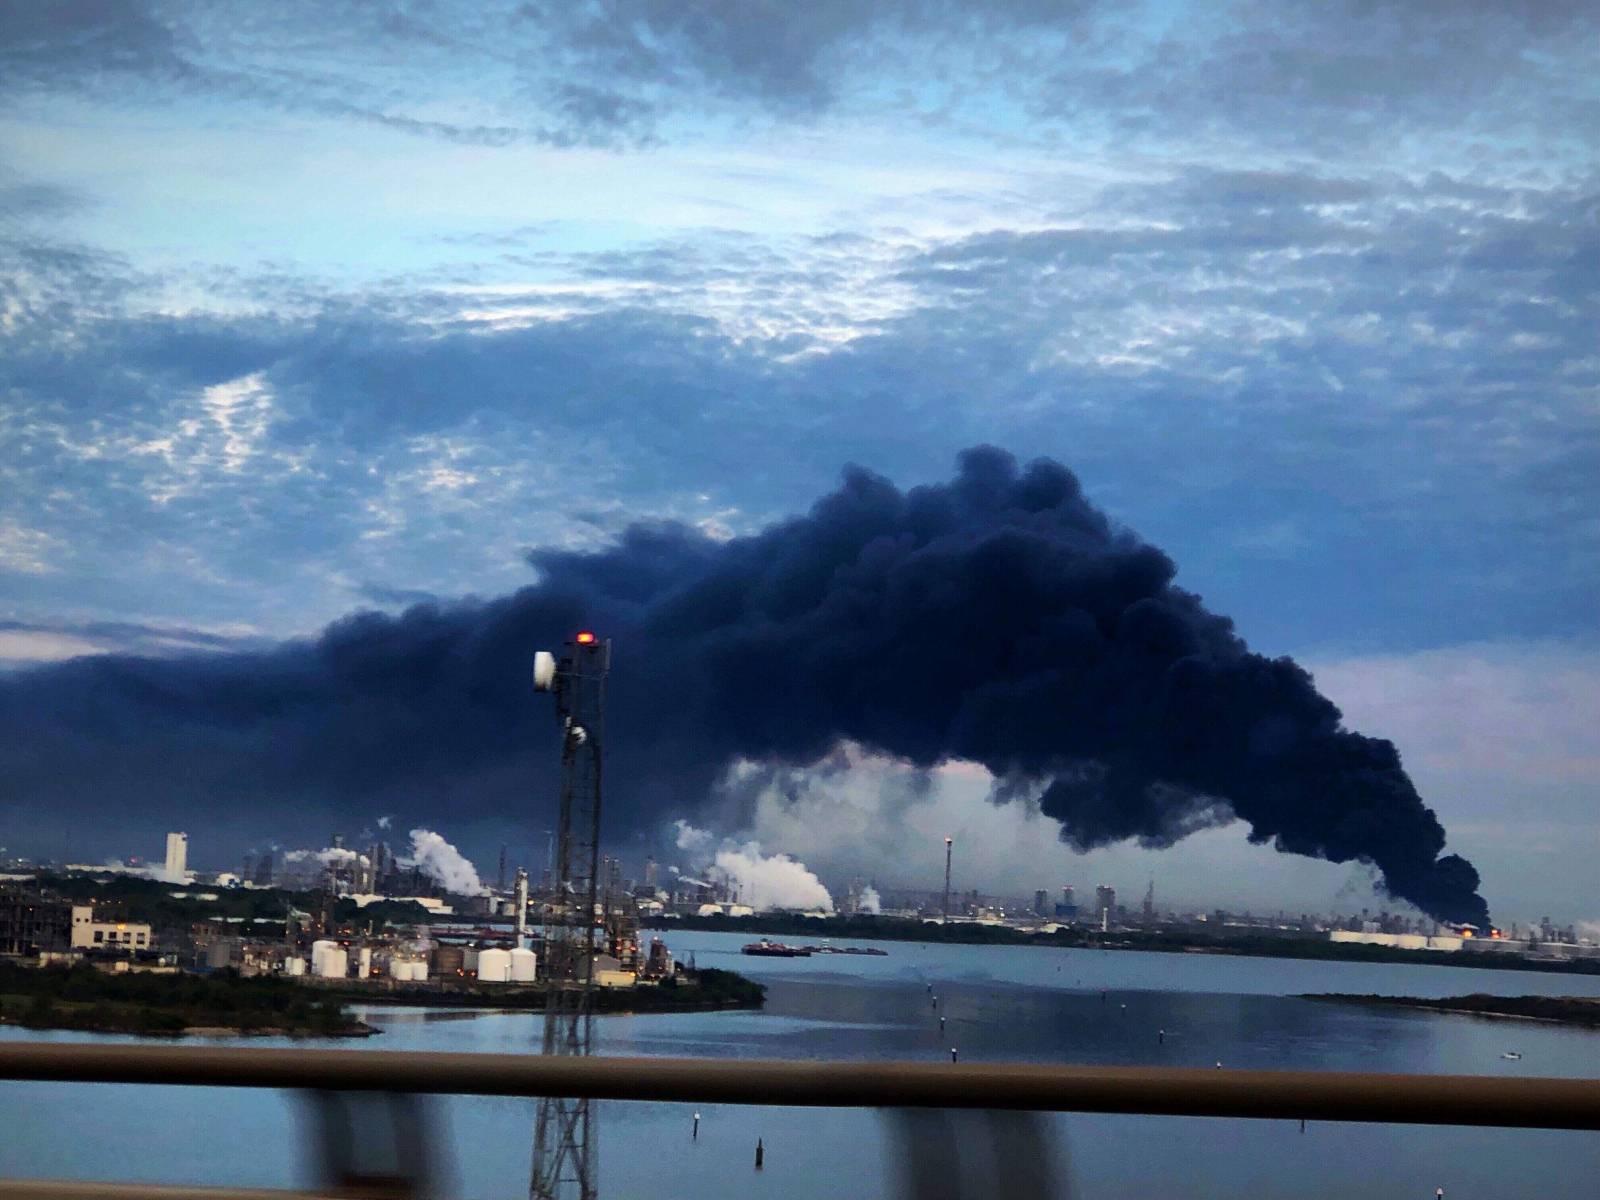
[(1001, 1004)]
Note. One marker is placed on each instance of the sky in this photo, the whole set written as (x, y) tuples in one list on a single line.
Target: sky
[(308, 308)]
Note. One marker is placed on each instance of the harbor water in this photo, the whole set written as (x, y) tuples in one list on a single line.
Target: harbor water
[(999, 1004)]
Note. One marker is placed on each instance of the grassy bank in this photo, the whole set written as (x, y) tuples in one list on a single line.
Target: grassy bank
[(1185, 941), (84, 998)]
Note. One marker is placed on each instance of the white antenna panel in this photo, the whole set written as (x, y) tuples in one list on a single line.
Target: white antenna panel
[(544, 671)]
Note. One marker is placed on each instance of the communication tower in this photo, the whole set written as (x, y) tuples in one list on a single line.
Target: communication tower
[(563, 1136)]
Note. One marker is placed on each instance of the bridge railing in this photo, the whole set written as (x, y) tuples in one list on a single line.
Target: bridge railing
[(1519, 1102)]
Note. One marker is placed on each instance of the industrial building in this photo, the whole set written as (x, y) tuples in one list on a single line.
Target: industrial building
[(90, 934), (1105, 902), (177, 863), (31, 924)]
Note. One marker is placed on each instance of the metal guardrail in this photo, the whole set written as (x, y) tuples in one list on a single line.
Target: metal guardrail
[(1518, 1102), (71, 1189)]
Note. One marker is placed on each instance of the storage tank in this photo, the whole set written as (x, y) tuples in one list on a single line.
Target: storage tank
[(399, 968), (334, 964), (417, 971), (294, 966), (449, 960), (318, 950), (364, 961), (494, 966), (523, 964)]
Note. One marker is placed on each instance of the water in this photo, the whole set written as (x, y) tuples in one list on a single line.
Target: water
[(1001, 1004)]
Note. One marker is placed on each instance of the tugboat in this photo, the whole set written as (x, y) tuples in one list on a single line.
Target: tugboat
[(766, 949)]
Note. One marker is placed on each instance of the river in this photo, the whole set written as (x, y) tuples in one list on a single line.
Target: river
[(1001, 1003)]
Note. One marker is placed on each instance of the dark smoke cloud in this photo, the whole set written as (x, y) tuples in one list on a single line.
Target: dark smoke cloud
[(998, 618)]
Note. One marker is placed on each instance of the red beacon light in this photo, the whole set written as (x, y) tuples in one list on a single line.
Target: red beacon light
[(585, 638)]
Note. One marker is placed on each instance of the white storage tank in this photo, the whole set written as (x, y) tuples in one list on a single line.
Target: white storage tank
[(294, 966), (399, 968), (523, 963), (364, 961), (418, 971), (334, 964), (494, 966)]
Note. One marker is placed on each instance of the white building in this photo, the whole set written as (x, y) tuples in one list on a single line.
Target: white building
[(177, 856), (89, 934)]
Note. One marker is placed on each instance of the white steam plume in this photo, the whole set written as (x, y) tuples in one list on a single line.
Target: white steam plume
[(764, 881), (695, 841), (869, 901), (443, 863)]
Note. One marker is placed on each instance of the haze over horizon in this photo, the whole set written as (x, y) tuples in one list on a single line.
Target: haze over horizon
[(314, 309)]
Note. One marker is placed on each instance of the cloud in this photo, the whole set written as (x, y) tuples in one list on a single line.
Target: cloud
[(26, 642), (632, 73), (1371, 350), (886, 821), (1496, 718)]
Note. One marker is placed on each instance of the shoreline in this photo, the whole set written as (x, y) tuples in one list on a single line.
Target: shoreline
[(357, 1029), (45, 1000), (1578, 1012), (1299, 948)]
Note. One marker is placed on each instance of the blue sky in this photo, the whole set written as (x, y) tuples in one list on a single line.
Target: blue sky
[(308, 307)]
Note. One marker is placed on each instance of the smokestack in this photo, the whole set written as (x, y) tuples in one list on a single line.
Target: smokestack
[(522, 908), (998, 619), (948, 844)]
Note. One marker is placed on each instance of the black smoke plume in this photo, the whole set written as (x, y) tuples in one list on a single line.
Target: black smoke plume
[(999, 618)]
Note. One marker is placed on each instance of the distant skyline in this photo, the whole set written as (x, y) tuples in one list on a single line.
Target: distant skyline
[(305, 309)]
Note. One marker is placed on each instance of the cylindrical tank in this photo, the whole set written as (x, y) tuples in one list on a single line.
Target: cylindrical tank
[(523, 964), (494, 966), (399, 968), (418, 971), (364, 961), (294, 966), (334, 964), (449, 960), (318, 950)]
